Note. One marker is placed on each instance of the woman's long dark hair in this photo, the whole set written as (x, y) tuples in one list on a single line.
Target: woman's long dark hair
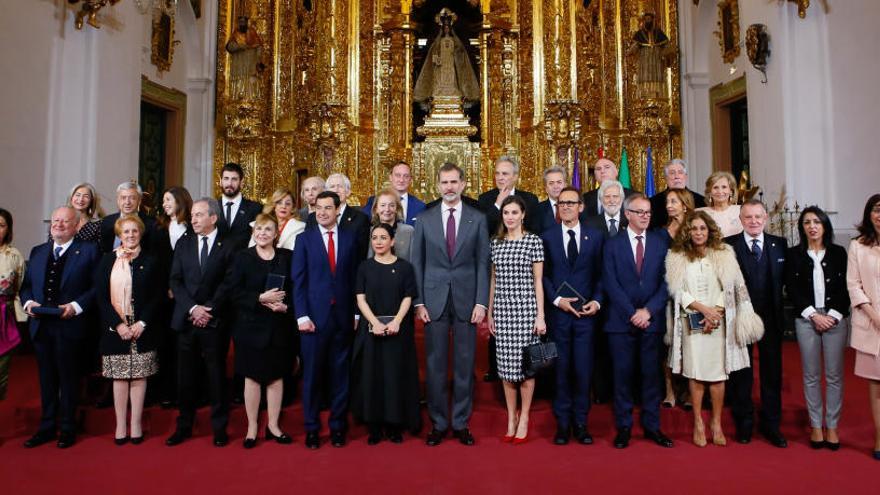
[(8, 217), (867, 233), (184, 206), (501, 234), (828, 230)]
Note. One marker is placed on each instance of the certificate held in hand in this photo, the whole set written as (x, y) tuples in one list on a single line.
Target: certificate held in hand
[(567, 291)]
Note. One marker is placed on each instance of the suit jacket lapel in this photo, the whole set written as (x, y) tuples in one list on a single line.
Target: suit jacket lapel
[(464, 228), (585, 242), (72, 259)]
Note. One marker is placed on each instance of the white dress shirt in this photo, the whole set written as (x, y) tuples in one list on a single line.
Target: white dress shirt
[(819, 287), (749, 240), (175, 232)]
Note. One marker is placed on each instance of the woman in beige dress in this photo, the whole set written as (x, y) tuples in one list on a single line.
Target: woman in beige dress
[(11, 312), (863, 283), (721, 198), (705, 280)]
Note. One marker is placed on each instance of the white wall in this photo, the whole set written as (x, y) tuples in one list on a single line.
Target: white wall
[(71, 111)]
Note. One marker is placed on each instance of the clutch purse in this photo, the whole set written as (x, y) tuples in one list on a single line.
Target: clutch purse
[(566, 290), (382, 319), (695, 322), (538, 357), (47, 311), (275, 281)]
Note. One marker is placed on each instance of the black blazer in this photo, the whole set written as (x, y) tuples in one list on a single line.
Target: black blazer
[(598, 222), (659, 217), (160, 247), (105, 242), (254, 323), (191, 286), (493, 214), (240, 232), (799, 279), (355, 220), (145, 298), (775, 248), (591, 201)]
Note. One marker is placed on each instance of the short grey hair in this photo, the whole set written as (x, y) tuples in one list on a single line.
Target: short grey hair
[(608, 184), (314, 178), (675, 161), (345, 180), (634, 197), (509, 159), (76, 213), (129, 184), (213, 205), (556, 169)]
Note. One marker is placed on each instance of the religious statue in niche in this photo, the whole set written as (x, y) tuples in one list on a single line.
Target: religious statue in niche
[(245, 49), (654, 52), (447, 71)]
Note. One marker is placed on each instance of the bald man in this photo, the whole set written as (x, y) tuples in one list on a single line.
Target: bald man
[(604, 169)]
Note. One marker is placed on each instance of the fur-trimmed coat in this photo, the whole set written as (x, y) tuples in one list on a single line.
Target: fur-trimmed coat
[(739, 316)]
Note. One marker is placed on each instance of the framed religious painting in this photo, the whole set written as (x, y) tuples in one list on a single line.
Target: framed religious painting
[(162, 41), (728, 30)]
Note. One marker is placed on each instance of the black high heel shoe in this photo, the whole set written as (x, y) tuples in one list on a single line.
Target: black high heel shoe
[(121, 441), (283, 438), (249, 443), (817, 444), (137, 440)]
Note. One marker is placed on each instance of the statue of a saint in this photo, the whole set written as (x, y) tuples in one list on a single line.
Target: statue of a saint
[(447, 71), (652, 46), (245, 49)]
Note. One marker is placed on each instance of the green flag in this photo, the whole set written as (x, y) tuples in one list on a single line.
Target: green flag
[(623, 177)]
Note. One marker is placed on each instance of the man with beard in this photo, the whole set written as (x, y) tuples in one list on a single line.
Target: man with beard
[(236, 211)]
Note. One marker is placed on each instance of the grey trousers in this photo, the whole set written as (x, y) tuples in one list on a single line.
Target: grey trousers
[(464, 343), (815, 347)]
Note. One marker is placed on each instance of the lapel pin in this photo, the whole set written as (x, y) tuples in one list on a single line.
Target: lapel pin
[(76, 252)]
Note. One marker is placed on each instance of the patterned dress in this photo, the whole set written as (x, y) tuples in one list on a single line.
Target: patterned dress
[(514, 307)]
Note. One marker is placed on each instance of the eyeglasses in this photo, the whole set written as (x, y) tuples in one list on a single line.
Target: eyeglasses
[(568, 203), (641, 213)]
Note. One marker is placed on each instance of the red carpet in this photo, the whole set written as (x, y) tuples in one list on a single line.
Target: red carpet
[(97, 465)]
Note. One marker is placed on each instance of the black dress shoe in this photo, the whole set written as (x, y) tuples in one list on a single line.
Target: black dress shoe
[(491, 377), (561, 436), (313, 440), (743, 434), (283, 438), (337, 438), (659, 438), (137, 440), (621, 440), (178, 437), (832, 446), (166, 404), (220, 438), (121, 441), (374, 438), (774, 437), (66, 439), (435, 437), (464, 436), (394, 435), (39, 438), (582, 435), (877, 455), (249, 443)]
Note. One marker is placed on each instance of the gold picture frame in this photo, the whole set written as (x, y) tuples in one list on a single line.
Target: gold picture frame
[(162, 41), (728, 30)]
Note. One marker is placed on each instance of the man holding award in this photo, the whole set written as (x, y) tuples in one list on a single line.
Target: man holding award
[(572, 279)]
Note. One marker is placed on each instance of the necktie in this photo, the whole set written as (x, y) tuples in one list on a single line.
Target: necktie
[(612, 227), (572, 247), (556, 207), (640, 254), (450, 234), (57, 252), (203, 255), (756, 250), (331, 252), (403, 207), (229, 213)]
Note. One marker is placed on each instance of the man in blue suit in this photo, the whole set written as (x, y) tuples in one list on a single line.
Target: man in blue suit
[(323, 269), (59, 276), (400, 179), (573, 256), (555, 180), (634, 279)]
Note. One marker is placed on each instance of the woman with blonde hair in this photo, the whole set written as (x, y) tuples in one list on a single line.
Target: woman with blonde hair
[(85, 200), (388, 210), (283, 207), (721, 198)]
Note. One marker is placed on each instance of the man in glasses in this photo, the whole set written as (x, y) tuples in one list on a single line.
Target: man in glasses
[(634, 280), (573, 263)]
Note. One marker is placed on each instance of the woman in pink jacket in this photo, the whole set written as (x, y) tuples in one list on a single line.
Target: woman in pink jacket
[(863, 282)]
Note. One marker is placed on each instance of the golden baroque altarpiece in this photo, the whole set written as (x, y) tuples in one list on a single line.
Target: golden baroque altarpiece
[(558, 84)]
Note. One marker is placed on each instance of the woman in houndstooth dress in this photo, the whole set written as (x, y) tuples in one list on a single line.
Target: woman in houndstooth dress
[(516, 309)]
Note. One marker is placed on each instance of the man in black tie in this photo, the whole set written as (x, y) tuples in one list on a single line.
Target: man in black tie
[(603, 170), (547, 212), (611, 221), (236, 211), (201, 293), (676, 174), (761, 258)]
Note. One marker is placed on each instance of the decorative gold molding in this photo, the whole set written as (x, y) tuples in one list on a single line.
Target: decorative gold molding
[(162, 41), (728, 30)]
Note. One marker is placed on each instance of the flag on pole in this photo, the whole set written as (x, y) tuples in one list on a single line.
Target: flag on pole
[(649, 174), (576, 173), (601, 152), (623, 176)]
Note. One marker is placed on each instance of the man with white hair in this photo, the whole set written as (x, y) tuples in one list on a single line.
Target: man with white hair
[(346, 218), (128, 202), (309, 191), (604, 169), (676, 174), (612, 220)]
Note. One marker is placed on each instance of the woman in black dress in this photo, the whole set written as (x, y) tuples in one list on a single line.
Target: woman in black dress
[(125, 293), (386, 376), (263, 327)]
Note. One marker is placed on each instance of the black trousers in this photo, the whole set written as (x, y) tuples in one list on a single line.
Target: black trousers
[(603, 374), (194, 347), (770, 375), (58, 358)]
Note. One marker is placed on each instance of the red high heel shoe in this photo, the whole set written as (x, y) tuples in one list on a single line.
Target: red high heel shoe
[(520, 441), (507, 439)]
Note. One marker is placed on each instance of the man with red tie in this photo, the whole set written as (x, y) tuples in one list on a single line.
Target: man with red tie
[(323, 268)]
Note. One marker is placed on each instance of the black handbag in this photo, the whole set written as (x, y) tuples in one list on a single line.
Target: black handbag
[(538, 357)]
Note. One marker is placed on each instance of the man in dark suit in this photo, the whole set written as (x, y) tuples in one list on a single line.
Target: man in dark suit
[(309, 191), (603, 170), (634, 280), (401, 179), (128, 201), (450, 254), (59, 275), (506, 176), (236, 211), (546, 213), (201, 293), (573, 256), (676, 174), (325, 262), (761, 258), (346, 217)]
